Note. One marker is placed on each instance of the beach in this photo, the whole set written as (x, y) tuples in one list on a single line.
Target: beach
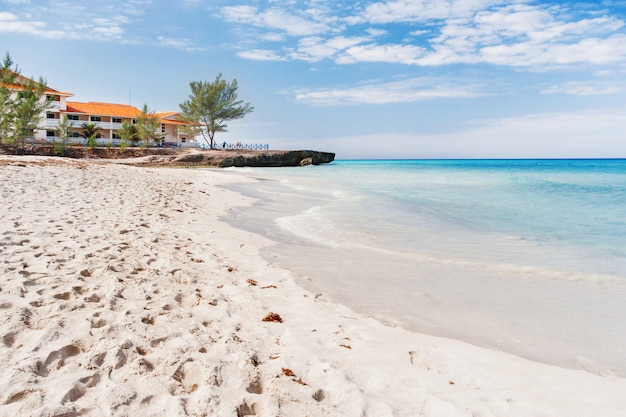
[(124, 293)]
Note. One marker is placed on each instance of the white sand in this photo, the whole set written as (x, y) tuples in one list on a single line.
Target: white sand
[(121, 293)]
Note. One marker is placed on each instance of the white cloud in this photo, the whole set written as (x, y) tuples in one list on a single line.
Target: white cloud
[(517, 33), (10, 23), (406, 91), (261, 55), (314, 48), (420, 10), (585, 51), (398, 54), (583, 88), (277, 19), (184, 44), (272, 37)]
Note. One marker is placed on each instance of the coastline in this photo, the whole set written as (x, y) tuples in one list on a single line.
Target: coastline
[(123, 293)]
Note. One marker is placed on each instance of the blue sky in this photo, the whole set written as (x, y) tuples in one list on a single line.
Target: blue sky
[(364, 79)]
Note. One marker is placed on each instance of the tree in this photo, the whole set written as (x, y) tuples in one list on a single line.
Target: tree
[(147, 125), (128, 133), (7, 82), (23, 103), (62, 131), (63, 128), (90, 131), (213, 104)]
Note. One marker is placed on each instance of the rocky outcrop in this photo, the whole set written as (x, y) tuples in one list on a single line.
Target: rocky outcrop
[(239, 158), (185, 157)]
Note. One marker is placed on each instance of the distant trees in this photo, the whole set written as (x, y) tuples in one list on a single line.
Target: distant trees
[(213, 104), (22, 104)]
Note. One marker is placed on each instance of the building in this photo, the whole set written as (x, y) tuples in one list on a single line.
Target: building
[(108, 117)]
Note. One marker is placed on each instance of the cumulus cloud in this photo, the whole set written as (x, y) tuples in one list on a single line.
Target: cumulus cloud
[(520, 33), (302, 24), (114, 20)]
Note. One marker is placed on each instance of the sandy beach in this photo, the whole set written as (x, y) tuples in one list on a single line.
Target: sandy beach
[(122, 293)]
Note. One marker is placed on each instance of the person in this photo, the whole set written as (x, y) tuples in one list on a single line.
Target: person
[(224, 145)]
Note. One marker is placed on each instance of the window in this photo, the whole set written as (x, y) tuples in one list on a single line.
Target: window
[(73, 135), (50, 116), (162, 128), (183, 140), (95, 118), (117, 120), (116, 136), (50, 133), (72, 117)]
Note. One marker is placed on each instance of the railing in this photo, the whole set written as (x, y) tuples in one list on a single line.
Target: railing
[(246, 146), (108, 125)]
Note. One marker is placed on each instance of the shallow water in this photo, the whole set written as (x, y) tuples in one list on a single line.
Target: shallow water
[(527, 257)]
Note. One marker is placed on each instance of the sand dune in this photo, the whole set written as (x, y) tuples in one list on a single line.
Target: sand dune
[(121, 293)]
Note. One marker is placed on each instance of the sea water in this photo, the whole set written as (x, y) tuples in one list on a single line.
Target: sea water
[(523, 256)]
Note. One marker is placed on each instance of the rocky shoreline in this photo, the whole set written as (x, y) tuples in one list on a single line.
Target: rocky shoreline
[(237, 158), (188, 158)]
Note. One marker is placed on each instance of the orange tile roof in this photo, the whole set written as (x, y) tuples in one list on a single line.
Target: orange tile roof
[(119, 110), (102, 109), (47, 90), (21, 81)]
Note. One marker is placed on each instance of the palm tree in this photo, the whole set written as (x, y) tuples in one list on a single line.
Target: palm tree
[(90, 131)]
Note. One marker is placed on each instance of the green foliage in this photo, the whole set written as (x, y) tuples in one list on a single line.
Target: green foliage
[(90, 131), (22, 104), (213, 104), (147, 126), (59, 148), (123, 144), (7, 79), (128, 132), (63, 128), (91, 142)]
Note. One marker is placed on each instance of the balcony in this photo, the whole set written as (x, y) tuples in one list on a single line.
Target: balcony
[(108, 125), (52, 122), (54, 105)]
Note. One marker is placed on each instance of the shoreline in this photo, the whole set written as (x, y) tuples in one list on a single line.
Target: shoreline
[(123, 293), (435, 280)]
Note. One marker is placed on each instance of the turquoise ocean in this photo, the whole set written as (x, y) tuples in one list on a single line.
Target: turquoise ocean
[(522, 256)]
